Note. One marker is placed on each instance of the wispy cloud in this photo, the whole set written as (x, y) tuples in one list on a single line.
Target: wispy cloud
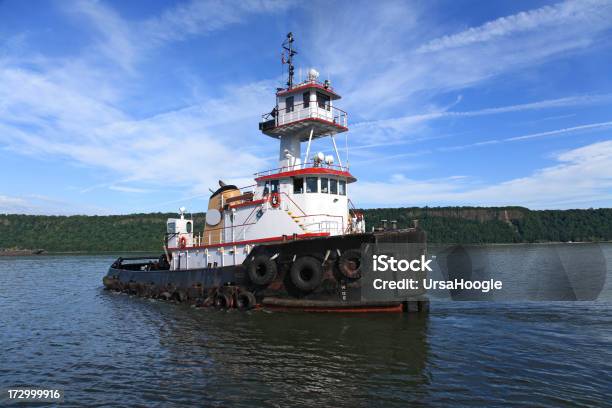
[(10, 204), (556, 132), (40, 204), (402, 123), (48, 108), (582, 178), (380, 68), (126, 189), (127, 42), (80, 107), (567, 13)]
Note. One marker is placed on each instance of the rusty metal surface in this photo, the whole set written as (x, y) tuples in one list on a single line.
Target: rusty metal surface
[(200, 287)]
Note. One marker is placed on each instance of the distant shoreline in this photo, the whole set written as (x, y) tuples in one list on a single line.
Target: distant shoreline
[(155, 253), (42, 252), (21, 252)]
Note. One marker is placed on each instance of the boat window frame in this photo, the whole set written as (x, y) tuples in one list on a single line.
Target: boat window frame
[(323, 101), (307, 179), (301, 179), (342, 187), (333, 186), (289, 104), (326, 187)]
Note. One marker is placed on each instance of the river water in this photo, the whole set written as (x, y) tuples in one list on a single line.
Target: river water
[(59, 329)]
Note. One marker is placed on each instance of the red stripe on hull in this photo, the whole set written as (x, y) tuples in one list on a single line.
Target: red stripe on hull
[(365, 309)]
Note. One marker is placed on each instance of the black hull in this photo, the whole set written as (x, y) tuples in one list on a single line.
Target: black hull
[(228, 286)]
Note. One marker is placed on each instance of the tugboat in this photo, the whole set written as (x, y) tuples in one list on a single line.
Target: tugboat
[(292, 241)]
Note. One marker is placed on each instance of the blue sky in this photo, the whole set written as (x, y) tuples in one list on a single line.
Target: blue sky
[(120, 107)]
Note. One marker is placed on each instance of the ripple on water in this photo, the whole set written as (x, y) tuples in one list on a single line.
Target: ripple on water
[(58, 328)]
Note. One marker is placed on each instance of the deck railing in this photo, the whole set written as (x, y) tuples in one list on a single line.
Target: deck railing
[(302, 166), (301, 111)]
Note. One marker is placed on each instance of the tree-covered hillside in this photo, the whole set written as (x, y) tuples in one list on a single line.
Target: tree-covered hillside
[(144, 232), (500, 224), (134, 232)]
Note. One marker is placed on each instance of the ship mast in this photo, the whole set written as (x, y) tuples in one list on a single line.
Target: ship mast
[(287, 58)]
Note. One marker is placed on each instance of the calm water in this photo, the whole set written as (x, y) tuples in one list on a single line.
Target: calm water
[(58, 328)]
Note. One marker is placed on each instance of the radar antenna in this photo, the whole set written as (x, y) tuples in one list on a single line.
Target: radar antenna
[(287, 57)]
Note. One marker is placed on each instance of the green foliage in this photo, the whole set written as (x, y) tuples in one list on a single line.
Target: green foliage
[(144, 232), (500, 224), (134, 232)]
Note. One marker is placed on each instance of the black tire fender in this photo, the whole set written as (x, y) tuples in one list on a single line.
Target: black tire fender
[(349, 264), (245, 300), (262, 270), (306, 273), (222, 301)]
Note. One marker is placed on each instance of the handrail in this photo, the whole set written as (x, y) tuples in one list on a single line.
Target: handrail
[(326, 85), (294, 203), (301, 166), (313, 109)]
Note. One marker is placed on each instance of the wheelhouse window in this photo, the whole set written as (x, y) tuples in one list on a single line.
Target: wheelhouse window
[(171, 227), (306, 98), (298, 185), (324, 185), (323, 101), (189, 228), (312, 185), (333, 186), (289, 104), (342, 187)]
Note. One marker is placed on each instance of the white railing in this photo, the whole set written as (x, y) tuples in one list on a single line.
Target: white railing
[(301, 166), (301, 111), (331, 227)]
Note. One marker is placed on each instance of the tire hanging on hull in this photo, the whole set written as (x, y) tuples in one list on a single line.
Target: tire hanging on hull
[(245, 300), (306, 274), (349, 264), (262, 270)]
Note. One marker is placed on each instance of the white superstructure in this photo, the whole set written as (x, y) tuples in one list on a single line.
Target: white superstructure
[(305, 196)]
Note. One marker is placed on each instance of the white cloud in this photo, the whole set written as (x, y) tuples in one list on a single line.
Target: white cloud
[(382, 67), (127, 42), (582, 178), (39, 204), (201, 17), (400, 124), (11, 204), (72, 107), (566, 13), (126, 189), (76, 107)]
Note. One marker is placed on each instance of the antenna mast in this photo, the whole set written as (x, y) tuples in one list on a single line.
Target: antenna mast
[(288, 54)]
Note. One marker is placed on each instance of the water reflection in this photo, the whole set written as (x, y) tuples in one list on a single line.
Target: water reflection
[(58, 328), (324, 359)]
